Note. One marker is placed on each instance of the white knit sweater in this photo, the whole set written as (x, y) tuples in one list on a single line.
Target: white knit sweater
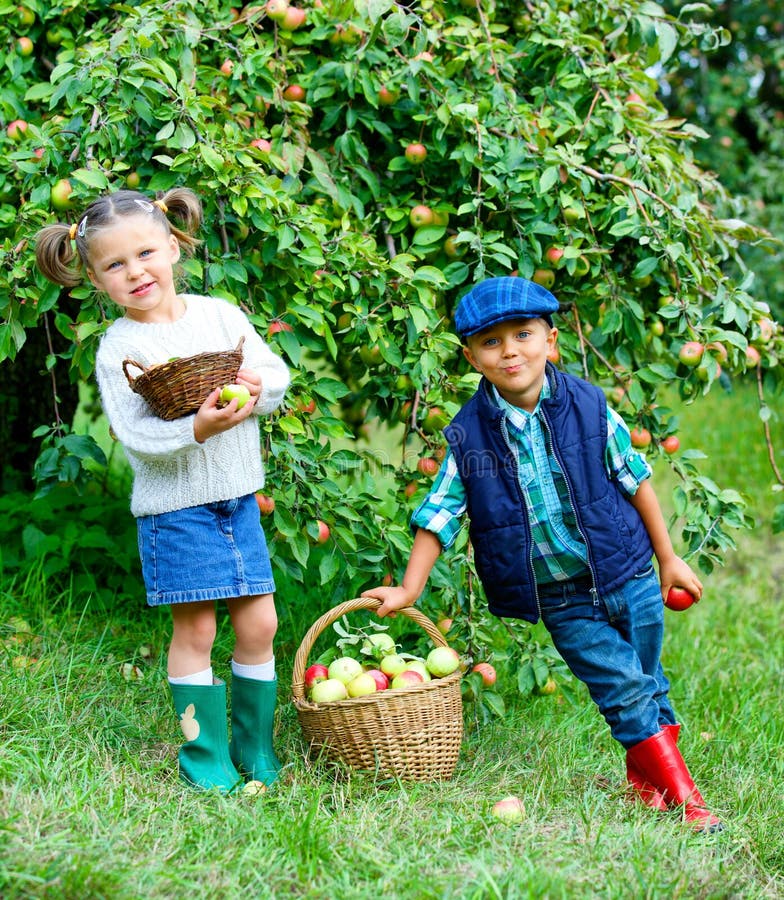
[(171, 469)]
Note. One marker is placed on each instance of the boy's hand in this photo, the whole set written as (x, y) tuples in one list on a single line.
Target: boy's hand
[(392, 599), (212, 419), (675, 572)]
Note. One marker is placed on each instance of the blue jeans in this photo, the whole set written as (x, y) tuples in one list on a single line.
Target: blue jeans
[(613, 645)]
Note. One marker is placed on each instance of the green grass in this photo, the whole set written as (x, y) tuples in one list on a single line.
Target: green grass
[(91, 806)]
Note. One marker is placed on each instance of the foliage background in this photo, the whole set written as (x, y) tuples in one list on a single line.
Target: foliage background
[(549, 124)]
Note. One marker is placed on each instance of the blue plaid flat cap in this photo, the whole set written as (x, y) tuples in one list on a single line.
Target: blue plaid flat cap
[(500, 299)]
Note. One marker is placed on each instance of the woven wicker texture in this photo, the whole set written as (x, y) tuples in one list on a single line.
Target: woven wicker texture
[(180, 386), (411, 733)]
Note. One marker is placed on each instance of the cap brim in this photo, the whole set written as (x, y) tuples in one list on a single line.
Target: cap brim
[(508, 317)]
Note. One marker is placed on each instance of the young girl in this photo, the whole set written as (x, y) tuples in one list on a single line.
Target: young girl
[(200, 538)]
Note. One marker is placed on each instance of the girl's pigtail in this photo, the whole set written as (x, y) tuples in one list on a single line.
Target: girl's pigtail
[(182, 206), (56, 255)]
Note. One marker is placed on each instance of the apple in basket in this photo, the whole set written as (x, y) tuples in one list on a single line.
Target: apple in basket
[(382, 682), (442, 661), (345, 669), (315, 673), (418, 665), (393, 664), (328, 691), (407, 678), (231, 391), (362, 685)]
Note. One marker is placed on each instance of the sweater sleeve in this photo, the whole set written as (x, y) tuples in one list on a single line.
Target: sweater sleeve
[(137, 428), (273, 371)]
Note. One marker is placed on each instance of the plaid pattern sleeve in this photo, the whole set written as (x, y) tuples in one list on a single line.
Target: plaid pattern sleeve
[(624, 464), (442, 509)]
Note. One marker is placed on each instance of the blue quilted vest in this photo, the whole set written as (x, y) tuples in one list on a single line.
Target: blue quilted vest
[(576, 416)]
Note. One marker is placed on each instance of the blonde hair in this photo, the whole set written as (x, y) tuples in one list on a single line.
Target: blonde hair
[(62, 251)]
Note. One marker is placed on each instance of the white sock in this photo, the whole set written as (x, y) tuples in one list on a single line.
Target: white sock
[(204, 677), (263, 672)]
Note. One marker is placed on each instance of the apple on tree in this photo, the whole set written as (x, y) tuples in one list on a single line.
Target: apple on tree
[(487, 672), (421, 215), (61, 194), (690, 353), (641, 438), (416, 153), (16, 129), (544, 277), (427, 465), (265, 503)]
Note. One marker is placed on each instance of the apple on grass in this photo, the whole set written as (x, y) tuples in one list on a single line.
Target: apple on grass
[(236, 392), (442, 661), (329, 691), (509, 810), (678, 599), (345, 669)]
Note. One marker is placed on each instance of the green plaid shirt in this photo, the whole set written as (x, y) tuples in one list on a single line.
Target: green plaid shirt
[(559, 552)]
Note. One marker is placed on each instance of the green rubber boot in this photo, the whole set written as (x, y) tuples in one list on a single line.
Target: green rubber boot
[(252, 713), (204, 758)]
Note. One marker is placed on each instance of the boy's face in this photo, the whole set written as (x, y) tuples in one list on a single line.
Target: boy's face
[(512, 356)]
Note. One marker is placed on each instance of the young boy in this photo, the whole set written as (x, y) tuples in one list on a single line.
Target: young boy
[(563, 522)]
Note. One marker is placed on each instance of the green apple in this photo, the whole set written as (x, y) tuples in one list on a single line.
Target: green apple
[(393, 664), (418, 666), (61, 194), (442, 661), (378, 645), (235, 391), (509, 810), (328, 691), (362, 685), (407, 678), (345, 669)]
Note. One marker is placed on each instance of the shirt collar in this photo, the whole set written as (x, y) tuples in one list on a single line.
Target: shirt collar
[(516, 416)]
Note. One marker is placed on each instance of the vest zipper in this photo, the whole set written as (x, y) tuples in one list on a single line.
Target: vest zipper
[(505, 436), (568, 483)]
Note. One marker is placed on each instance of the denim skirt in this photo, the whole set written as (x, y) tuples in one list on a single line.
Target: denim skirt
[(211, 552)]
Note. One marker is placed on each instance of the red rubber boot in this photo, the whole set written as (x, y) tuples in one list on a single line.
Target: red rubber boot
[(658, 760), (642, 790)]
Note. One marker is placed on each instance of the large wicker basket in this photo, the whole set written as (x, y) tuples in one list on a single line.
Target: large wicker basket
[(411, 733), (180, 386)]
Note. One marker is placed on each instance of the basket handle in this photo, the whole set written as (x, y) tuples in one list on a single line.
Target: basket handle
[(301, 657), (132, 362)]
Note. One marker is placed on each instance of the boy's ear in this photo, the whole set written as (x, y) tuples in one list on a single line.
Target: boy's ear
[(470, 356)]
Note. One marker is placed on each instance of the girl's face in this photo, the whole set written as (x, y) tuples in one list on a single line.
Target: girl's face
[(512, 356), (132, 261)]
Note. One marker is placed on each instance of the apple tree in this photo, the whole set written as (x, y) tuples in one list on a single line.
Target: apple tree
[(361, 164)]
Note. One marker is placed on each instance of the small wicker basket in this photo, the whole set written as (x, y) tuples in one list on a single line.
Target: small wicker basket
[(411, 733), (180, 386)]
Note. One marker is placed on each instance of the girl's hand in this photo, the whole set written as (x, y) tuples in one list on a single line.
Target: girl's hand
[(212, 419), (676, 572), (392, 599), (252, 381)]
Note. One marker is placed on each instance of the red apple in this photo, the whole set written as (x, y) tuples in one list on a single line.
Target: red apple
[(382, 682), (553, 254), (641, 438), (407, 678), (635, 102), (690, 353), (294, 92), (386, 97), (315, 673), (671, 444), (443, 625), (261, 144), (428, 466), (16, 129), (678, 599), (487, 672), (227, 66), (266, 504), (416, 153), (323, 532), (293, 19), (421, 215), (753, 356)]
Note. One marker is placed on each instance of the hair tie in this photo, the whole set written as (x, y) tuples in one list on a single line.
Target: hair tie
[(161, 206), (72, 231)]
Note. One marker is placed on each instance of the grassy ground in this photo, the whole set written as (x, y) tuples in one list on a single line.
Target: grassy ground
[(91, 806)]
